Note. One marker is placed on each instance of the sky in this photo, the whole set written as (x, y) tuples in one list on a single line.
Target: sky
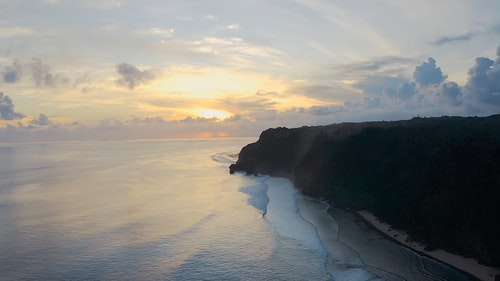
[(118, 69)]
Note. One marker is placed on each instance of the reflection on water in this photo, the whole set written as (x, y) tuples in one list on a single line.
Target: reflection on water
[(142, 210), (169, 210)]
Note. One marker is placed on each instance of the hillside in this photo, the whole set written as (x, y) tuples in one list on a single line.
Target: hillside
[(436, 178)]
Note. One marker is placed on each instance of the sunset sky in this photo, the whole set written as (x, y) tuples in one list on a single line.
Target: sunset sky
[(101, 69)]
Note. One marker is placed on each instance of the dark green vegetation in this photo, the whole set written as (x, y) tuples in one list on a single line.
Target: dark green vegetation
[(436, 178)]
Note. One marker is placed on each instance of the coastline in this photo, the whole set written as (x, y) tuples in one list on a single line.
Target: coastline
[(467, 265), (358, 252), (360, 241), (353, 242), (359, 247)]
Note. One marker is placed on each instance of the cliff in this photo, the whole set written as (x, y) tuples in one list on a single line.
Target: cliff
[(436, 178)]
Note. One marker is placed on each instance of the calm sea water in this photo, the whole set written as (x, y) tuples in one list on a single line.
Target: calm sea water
[(149, 210)]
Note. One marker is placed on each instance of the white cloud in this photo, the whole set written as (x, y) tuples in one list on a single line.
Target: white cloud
[(158, 31), (6, 32)]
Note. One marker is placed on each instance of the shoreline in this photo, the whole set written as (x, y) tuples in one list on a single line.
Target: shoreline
[(333, 240), (467, 265), (357, 248)]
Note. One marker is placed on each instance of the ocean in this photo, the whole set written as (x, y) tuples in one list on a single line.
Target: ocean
[(170, 210)]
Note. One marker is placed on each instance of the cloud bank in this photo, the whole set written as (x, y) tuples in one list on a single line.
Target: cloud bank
[(39, 71), (484, 79), (386, 94)]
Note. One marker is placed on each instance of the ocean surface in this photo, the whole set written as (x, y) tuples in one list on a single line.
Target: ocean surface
[(169, 210)]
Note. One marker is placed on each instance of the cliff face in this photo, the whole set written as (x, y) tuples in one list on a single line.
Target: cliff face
[(436, 178)]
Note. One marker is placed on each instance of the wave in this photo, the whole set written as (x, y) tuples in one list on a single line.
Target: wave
[(306, 220), (257, 196), (283, 214), (225, 157)]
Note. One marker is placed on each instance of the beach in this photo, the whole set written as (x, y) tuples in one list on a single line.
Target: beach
[(468, 265), (352, 243)]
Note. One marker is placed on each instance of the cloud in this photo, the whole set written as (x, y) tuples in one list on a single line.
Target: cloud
[(247, 104), (375, 85), (157, 31), (385, 64), (210, 17), (7, 109), (12, 73), (42, 75), (235, 50), (454, 39), (428, 73), (373, 76), (131, 76), (323, 110), (110, 123), (11, 76), (450, 93), (190, 119), (13, 31), (323, 92), (42, 120), (403, 92), (468, 36), (484, 80), (495, 28), (428, 89)]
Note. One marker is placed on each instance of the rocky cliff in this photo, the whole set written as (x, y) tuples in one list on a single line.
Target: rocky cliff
[(436, 178)]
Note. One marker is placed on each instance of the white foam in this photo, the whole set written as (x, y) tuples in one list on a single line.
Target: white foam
[(283, 214), (257, 196), (224, 157)]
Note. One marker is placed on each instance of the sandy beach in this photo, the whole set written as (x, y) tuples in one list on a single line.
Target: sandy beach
[(353, 243), (468, 265)]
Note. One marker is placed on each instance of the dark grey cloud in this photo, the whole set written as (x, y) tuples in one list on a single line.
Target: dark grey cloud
[(42, 120), (428, 73), (131, 76), (373, 76), (12, 73), (110, 123), (247, 104), (372, 102), (7, 108), (11, 76), (382, 64), (43, 76), (450, 93), (454, 39), (466, 37), (484, 80), (198, 119), (322, 110), (40, 73), (375, 85), (428, 87), (320, 92), (403, 92)]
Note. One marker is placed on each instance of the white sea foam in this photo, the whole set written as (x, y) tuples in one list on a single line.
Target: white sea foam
[(224, 157), (283, 214), (292, 216), (258, 196)]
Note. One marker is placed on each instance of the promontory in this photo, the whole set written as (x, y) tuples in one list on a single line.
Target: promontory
[(438, 179)]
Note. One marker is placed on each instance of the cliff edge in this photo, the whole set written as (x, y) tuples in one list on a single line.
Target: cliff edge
[(436, 178)]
